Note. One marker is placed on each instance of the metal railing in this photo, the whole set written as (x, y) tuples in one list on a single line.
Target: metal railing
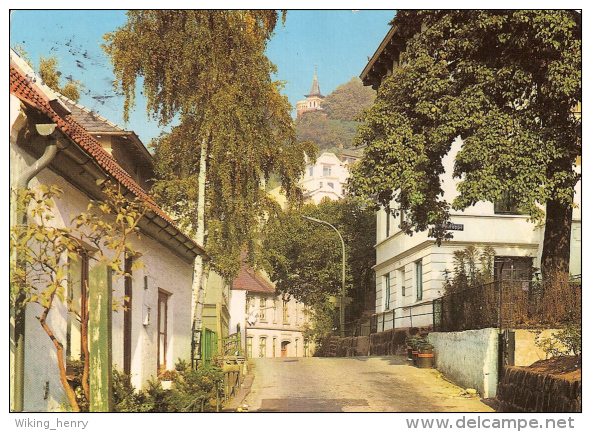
[(394, 318), (509, 305)]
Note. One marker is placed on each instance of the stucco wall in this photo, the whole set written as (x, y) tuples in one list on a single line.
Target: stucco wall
[(165, 270), (469, 358)]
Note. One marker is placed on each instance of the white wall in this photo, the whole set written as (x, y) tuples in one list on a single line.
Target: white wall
[(273, 327), (164, 269), (509, 235), (468, 358)]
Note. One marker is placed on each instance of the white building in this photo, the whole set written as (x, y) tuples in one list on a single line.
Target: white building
[(270, 325), (325, 179), (155, 330), (410, 270)]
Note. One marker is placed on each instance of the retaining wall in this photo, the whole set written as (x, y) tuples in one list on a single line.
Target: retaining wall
[(525, 391), (469, 358)]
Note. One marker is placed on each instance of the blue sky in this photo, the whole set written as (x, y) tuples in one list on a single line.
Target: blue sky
[(338, 41)]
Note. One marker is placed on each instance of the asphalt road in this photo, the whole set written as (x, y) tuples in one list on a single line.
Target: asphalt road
[(354, 384)]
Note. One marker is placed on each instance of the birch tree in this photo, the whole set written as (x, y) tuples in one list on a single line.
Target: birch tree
[(206, 72)]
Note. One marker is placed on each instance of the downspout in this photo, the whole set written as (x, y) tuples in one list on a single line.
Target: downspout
[(47, 131)]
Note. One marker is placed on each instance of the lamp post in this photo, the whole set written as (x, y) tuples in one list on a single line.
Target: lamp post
[(342, 307)]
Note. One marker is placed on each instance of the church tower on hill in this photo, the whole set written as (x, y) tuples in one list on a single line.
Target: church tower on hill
[(313, 100)]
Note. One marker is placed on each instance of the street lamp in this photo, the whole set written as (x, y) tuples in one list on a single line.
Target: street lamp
[(343, 281)]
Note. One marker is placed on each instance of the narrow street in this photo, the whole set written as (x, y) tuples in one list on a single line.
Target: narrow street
[(353, 384)]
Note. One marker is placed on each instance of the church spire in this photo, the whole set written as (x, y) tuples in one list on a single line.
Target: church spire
[(315, 91)]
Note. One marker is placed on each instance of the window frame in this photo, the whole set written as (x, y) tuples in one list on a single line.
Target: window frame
[(162, 331), (419, 279), (387, 289)]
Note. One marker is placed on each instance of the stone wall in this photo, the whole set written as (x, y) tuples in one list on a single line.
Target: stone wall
[(389, 342), (521, 390)]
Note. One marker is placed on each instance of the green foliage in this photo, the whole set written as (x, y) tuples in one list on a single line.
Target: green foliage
[(467, 273), (51, 76), (304, 258), (208, 69), (506, 82), (126, 398), (333, 128), (192, 391), (348, 101), (328, 134), (567, 341)]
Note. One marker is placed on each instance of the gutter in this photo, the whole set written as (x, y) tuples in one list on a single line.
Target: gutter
[(47, 131)]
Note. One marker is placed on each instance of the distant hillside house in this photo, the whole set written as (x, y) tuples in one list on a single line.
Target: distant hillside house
[(273, 326), (326, 178), (313, 99)]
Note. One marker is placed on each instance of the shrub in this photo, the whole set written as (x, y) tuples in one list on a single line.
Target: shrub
[(567, 341)]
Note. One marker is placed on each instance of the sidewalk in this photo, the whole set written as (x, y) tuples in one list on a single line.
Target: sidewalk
[(234, 404)]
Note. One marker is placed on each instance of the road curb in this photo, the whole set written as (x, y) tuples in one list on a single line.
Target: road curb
[(244, 391)]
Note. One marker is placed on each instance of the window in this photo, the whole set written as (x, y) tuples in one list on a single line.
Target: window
[(401, 281), (296, 347), (419, 278), (249, 302), (285, 312), (311, 171), (387, 221), (162, 330), (249, 347), (263, 310), (387, 291), (263, 347), (507, 204), (331, 185), (326, 170), (513, 268)]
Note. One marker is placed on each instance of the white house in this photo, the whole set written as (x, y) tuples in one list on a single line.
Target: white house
[(271, 326), (326, 178), (410, 270), (154, 331)]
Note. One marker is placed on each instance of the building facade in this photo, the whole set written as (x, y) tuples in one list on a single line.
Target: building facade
[(410, 270), (151, 329), (326, 178), (271, 326)]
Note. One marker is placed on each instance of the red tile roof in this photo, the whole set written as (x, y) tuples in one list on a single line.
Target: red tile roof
[(248, 280), (24, 87)]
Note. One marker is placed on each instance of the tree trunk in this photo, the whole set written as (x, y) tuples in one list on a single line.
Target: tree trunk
[(556, 248), (198, 269), (60, 362)]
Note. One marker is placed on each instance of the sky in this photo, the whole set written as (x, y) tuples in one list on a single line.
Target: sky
[(337, 42)]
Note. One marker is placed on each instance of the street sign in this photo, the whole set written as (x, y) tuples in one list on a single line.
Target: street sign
[(337, 300)]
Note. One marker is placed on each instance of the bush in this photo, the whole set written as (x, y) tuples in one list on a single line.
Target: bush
[(192, 390), (567, 341)]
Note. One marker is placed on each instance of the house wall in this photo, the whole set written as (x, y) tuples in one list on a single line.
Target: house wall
[(165, 270), (397, 253), (272, 327), (166, 273), (316, 184)]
